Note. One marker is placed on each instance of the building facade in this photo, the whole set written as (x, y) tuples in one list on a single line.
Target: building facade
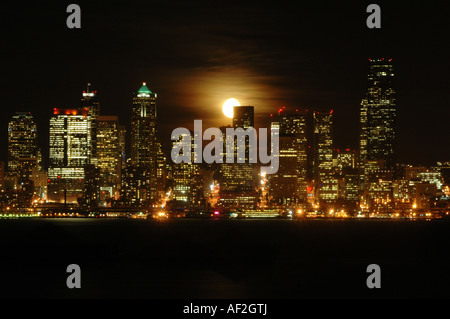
[(378, 115), (108, 154), (289, 184), (325, 180), (144, 139), (23, 151), (69, 154)]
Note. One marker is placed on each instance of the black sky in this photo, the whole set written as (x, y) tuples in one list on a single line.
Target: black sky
[(196, 54)]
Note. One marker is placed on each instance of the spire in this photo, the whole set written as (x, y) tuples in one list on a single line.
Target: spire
[(89, 92), (144, 89)]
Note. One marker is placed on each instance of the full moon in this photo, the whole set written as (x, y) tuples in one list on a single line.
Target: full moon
[(228, 107)]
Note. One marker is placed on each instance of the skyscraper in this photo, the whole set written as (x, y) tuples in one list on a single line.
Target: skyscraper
[(243, 117), (108, 155), (378, 114), (325, 182), (69, 154), (237, 180), (288, 185), (23, 151), (378, 135), (161, 171), (122, 144), (90, 104), (2, 174), (144, 138), (186, 175)]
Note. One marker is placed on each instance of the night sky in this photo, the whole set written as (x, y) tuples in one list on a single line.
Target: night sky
[(197, 54)]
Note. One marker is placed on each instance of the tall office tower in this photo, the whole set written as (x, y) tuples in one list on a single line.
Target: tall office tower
[(108, 156), (2, 174), (69, 152), (378, 115), (90, 104), (238, 180), (243, 117), (324, 175), (122, 145), (23, 151), (160, 171), (187, 183), (144, 138), (289, 184)]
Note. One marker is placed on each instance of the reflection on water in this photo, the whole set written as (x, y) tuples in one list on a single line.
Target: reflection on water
[(232, 258)]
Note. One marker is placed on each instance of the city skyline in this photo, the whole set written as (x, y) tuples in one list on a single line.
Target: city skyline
[(261, 56), (43, 145), (231, 157), (90, 168)]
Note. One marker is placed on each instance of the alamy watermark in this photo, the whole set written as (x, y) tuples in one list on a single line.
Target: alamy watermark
[(235, 139)]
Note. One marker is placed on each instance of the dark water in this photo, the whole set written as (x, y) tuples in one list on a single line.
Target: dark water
[(187, 258)]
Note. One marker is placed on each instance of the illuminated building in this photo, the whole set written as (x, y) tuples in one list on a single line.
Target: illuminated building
[(378, 113), (349, 187), (401, 194), (135, 183), (160, 171), (424, 174), (422, 185), (182, 172), (345, 166), (345, 158), (90, 104), (326, 183), (238, 180), (243, 173), (39, 179), (2, 174), (422, 194), (187, 180), (69, 153), (144, 139), (378, 190), (289, 184), (91, 187), (23, 152), (243, 116), (432, 177), (108, 155), (444, 168), (122, 144)]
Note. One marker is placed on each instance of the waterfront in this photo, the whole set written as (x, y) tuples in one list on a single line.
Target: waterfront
[(207, 258)]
